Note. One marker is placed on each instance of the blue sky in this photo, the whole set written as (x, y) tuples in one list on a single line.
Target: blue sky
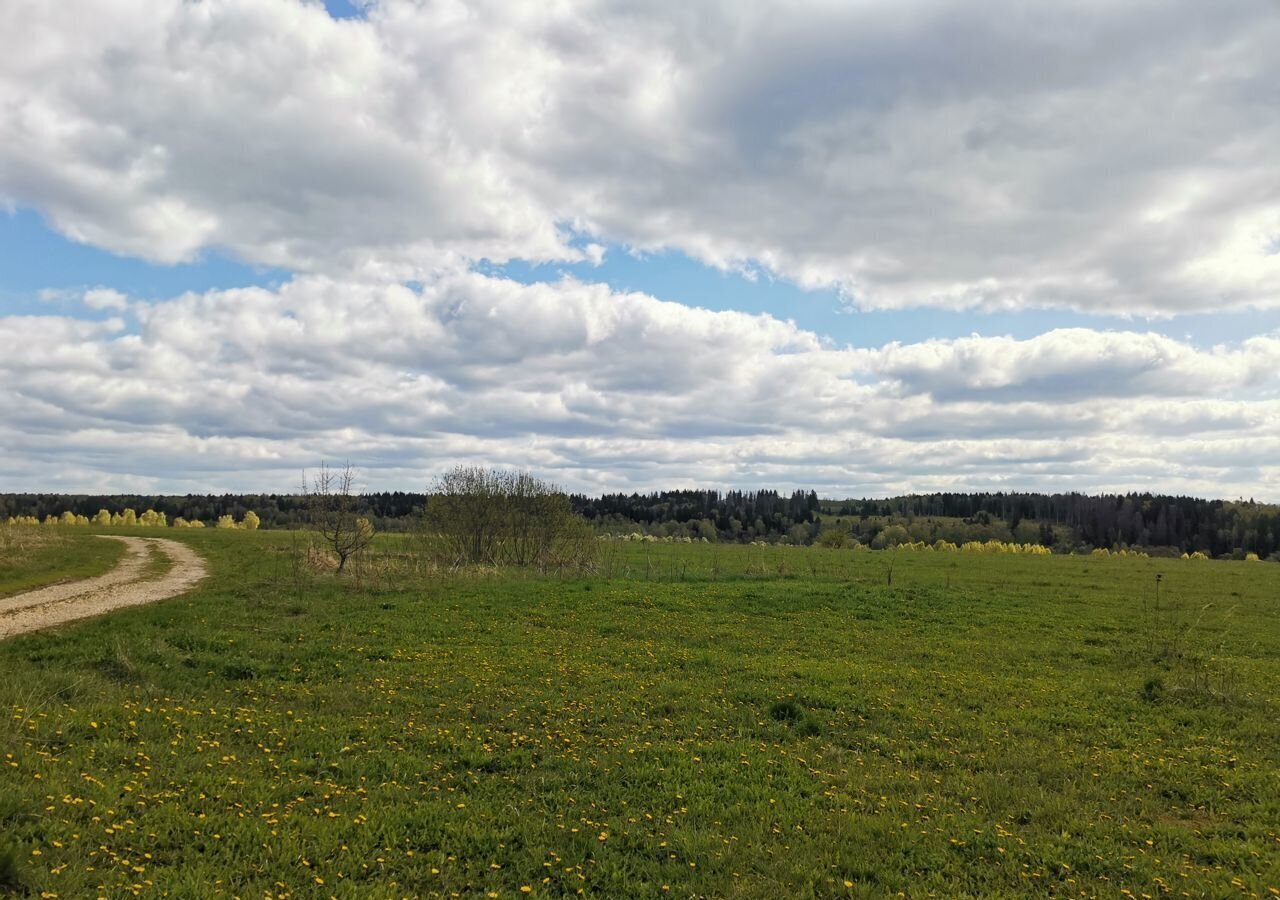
[(34, 257), (1038, 246)]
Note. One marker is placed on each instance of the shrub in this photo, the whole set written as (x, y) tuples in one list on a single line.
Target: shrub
[(834, 539), (477, 516)]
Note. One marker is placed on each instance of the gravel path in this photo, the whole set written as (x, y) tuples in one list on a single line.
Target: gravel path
[(122, 586)]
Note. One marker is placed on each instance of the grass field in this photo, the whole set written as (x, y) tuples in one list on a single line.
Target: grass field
[(35, 557), (704, 721)]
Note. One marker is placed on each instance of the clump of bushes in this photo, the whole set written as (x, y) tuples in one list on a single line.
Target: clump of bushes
[(991, 546), (1105, 552), (129, 518), (489, 517)]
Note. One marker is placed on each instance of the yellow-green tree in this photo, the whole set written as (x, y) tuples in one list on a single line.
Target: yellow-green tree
[(103, 517), (226, 522), (250, 522)]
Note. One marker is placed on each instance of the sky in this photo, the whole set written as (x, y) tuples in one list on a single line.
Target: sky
[(867, 248)]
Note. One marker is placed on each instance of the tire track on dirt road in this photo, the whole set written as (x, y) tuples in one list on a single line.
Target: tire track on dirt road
[(125, 585)]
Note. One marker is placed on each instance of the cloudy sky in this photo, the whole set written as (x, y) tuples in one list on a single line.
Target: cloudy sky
[(865, 247)]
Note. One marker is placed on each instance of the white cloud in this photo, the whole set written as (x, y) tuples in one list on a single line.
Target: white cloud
[(105, 298), (1111, 157), (604, 390), (1079, 362)]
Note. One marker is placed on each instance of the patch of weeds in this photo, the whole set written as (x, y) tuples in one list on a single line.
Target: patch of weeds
[(10, 871), (789, 712), (119, 667), (1153, 689), (786, 711), (808, 727), (236, 671)]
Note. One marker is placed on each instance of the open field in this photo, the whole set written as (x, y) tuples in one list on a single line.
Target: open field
[(698, 720), (35, 557)]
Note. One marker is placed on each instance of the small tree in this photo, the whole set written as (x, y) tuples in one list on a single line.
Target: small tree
[(834, 539), (227, 521), (250, 521), (332, 507)]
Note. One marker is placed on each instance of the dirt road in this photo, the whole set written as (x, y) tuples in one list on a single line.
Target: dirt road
[(122, 586)]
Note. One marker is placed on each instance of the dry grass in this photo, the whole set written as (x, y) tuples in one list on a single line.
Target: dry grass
[(18, 542)]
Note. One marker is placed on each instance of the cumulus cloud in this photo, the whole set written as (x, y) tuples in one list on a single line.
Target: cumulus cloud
[(605, 390), (105, 298), (1109, 157), (1079, 362)]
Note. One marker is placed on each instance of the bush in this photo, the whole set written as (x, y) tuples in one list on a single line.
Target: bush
[(834, 539), (477, 516)]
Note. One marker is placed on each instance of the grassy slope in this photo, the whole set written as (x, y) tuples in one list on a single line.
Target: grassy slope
[(35, 557), (977, 728)]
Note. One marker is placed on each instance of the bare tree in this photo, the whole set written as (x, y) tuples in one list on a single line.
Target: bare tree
[(332, 507)]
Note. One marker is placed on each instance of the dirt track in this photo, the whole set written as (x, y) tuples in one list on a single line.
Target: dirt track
[(122, 586)]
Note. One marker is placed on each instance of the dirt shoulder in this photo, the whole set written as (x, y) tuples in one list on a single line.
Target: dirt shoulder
[(128, 584)]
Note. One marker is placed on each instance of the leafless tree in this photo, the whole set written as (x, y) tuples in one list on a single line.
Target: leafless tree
[(333, 508)]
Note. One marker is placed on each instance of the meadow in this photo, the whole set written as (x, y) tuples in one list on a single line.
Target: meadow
[(693, 720)]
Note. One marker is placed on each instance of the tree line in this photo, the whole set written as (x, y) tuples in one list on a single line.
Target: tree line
[(1189, 524), (1066, 520)]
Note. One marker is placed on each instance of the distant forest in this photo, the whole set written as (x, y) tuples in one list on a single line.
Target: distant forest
[(1065, 522)]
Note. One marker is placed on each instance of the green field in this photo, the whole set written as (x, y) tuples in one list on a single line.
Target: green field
[(35, 557), (697, 720)]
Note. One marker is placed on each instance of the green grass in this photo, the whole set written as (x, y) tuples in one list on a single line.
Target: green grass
[(32, 557), (713, 721)]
